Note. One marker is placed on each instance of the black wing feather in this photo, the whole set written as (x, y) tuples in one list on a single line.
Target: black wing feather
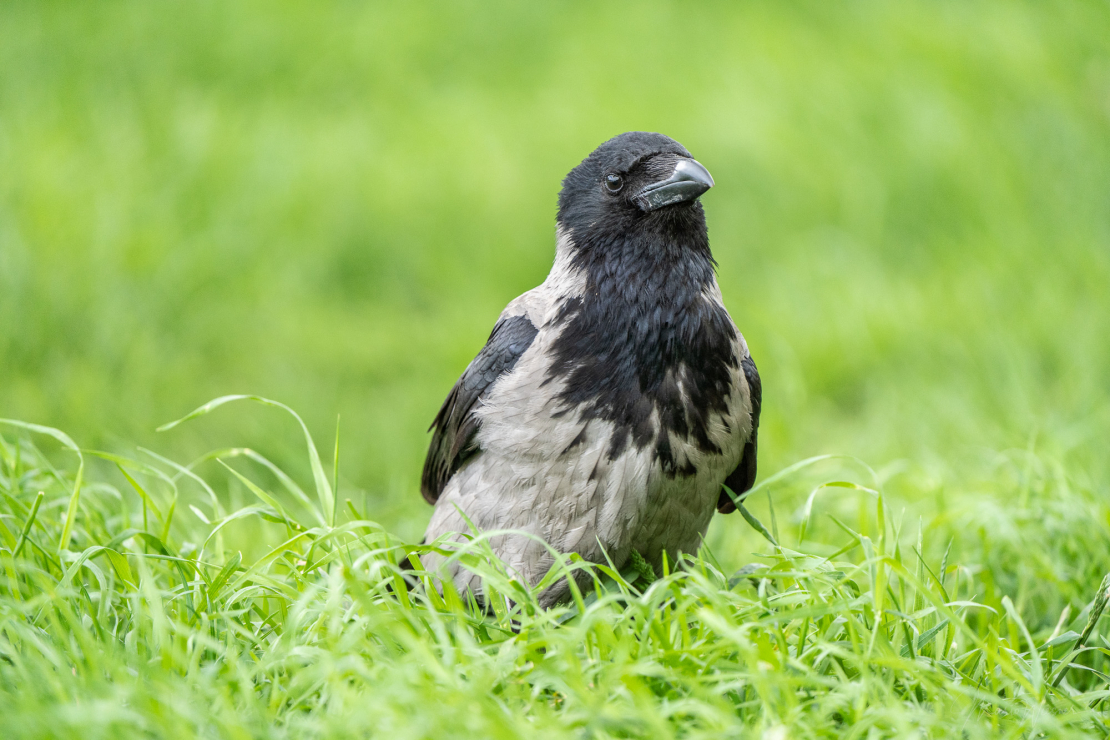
[(742, 479), (456, 426)]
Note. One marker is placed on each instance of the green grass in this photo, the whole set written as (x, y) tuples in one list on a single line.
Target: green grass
[(123, 612), (329, 205)]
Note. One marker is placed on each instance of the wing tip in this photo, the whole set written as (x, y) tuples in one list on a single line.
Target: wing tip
[(430, 483)]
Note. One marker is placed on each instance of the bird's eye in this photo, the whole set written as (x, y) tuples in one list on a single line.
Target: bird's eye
[(613, 183)]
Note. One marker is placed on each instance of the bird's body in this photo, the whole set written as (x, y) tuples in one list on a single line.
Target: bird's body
[(612, 402)]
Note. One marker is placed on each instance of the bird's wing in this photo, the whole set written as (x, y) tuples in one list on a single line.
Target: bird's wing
[(743, 478), (456, 425)]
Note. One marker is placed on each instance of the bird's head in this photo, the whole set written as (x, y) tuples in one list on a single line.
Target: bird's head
[(635, 184)]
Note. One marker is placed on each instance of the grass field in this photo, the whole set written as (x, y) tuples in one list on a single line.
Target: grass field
[(329, 205)]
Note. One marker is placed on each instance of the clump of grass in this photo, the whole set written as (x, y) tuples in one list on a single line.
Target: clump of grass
[(128, 608)]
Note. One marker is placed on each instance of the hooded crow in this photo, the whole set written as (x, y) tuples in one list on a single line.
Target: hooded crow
[(611, 403)]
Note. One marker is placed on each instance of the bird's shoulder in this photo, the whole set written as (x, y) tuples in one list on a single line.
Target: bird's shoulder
[(742, 478), (455, 427)]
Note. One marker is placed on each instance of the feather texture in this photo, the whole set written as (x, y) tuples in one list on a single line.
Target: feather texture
[(610, 403)]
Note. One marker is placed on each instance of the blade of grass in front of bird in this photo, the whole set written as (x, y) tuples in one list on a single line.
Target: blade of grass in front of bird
[(265, 497), (188, 473), (1036, 670), (323, 488), (335, 476), (27, 525), (75, 497), (1097, 608), (143, 496)]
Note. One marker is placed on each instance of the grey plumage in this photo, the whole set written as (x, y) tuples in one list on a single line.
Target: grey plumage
[(456, 423), (610, 403), (743, 478)]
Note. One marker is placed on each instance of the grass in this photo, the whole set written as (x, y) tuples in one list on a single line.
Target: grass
[(330, 205), (124, 613)]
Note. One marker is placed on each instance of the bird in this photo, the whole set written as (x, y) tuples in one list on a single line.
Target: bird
[(612, 404)]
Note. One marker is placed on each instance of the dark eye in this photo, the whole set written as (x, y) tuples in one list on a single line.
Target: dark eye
[(613, 183)]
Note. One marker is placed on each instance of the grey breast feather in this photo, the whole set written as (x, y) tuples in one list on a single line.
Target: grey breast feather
[(743, 478), (456, 425)]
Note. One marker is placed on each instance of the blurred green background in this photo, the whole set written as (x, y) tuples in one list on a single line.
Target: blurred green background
[(329, 203)]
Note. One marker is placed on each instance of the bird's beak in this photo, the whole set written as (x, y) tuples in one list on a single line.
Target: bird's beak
[(688, 181)]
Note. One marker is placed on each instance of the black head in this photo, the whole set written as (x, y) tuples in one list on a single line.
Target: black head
[(634, 182)]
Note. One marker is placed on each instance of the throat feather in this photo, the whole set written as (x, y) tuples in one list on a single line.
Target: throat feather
[(645, 348)]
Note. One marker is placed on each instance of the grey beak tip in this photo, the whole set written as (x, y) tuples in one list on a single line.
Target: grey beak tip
[(694, 170), (686, 183)]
